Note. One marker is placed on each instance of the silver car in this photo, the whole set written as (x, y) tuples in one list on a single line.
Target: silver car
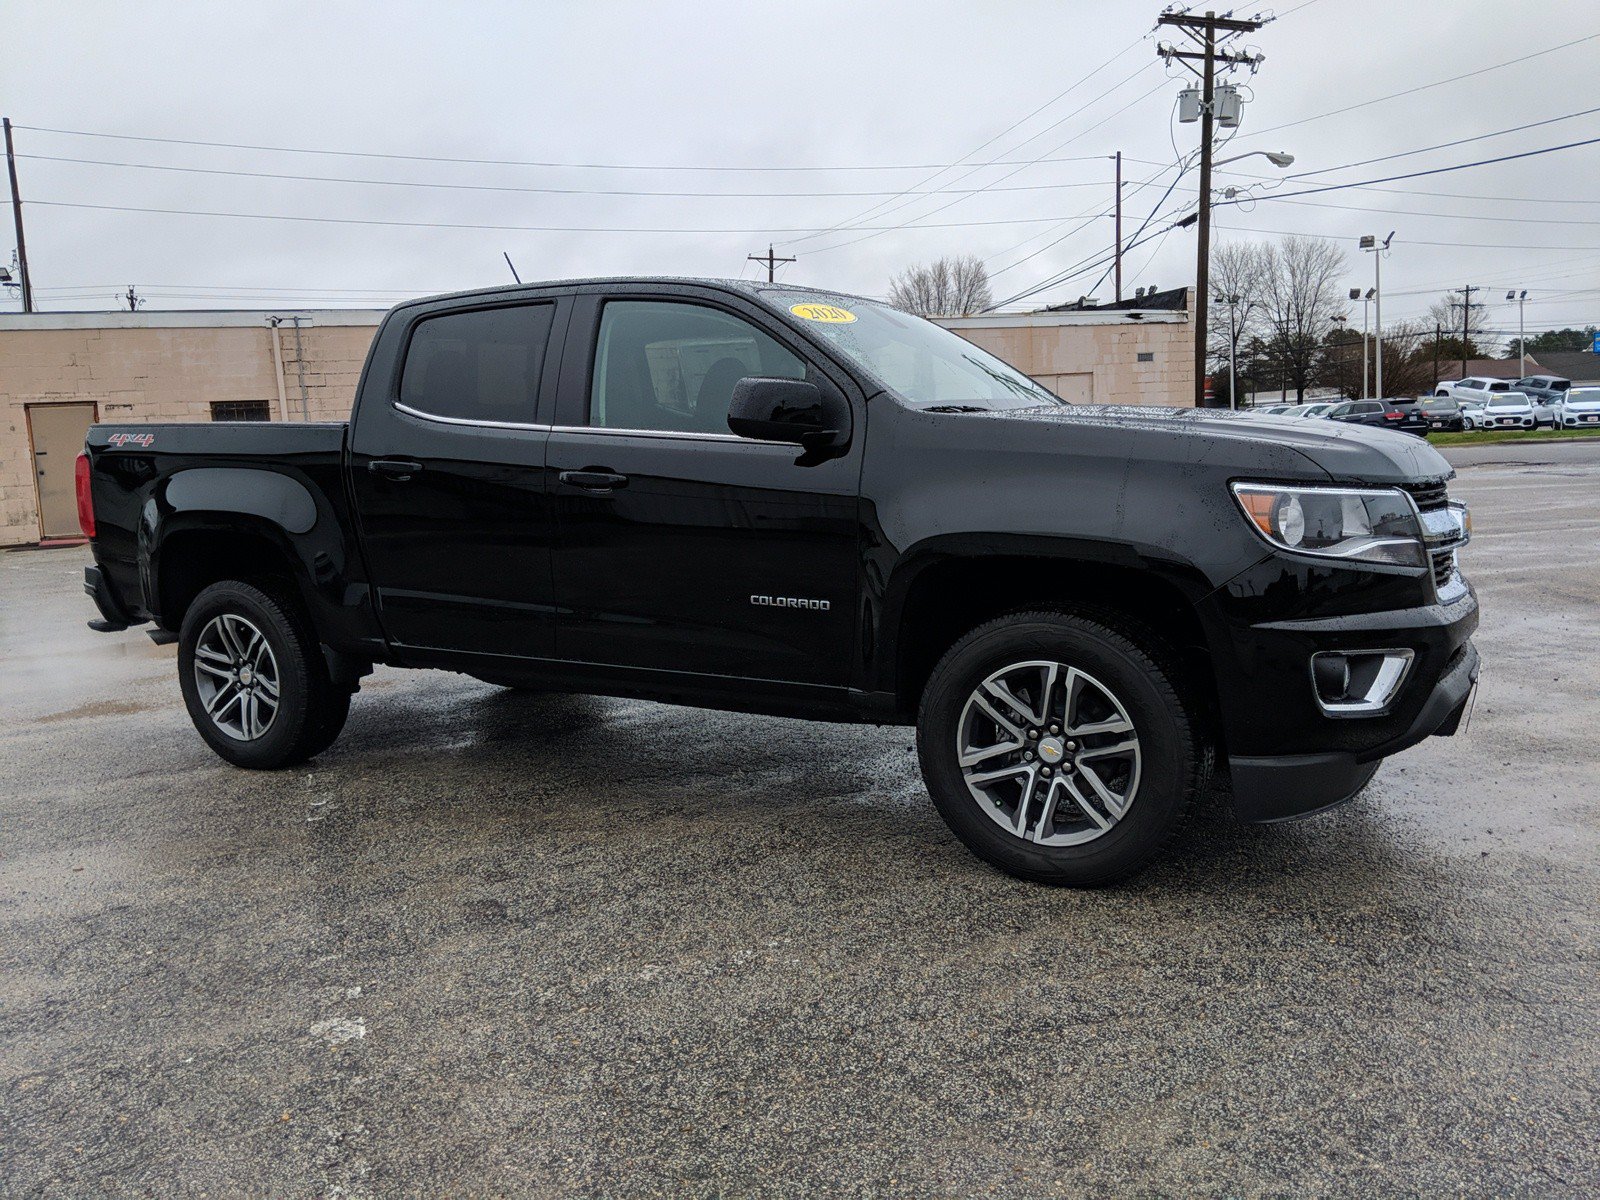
[(1578, 408)]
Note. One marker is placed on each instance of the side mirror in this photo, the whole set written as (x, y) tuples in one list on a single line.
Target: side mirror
[(779, 410)]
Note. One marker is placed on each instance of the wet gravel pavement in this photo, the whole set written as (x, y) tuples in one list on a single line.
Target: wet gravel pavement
[(492, 944)]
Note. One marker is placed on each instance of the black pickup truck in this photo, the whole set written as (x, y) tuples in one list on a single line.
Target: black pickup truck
[(771, 499)]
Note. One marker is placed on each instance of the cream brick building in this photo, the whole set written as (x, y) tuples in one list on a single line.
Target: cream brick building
[(1094, 356), (61, 371)]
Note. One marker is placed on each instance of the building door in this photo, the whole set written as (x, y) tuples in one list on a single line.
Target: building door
[(56, 432)]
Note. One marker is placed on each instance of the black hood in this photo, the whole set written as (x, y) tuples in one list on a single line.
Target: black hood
[(1348, 453)]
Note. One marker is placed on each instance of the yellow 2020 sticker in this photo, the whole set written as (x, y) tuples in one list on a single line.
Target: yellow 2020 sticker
[(830, 313)]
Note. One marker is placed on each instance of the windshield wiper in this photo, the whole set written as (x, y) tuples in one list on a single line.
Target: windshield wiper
[(955, 408)]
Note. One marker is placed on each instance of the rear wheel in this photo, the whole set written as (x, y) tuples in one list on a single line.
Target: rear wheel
[(1060, 749), (253, 677)]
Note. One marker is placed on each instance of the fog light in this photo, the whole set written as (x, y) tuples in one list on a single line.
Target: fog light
[(1358, 683)]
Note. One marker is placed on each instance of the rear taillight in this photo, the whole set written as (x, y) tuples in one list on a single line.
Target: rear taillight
[(80, 476), (1394, 416)]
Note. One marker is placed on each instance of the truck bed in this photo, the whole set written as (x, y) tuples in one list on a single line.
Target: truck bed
[(195, 472)]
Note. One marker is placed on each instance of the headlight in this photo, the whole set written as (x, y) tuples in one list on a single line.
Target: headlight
[(1378, 526)]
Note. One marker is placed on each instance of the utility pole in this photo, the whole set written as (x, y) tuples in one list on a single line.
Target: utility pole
[(133, 298), (1119, 228), (16, 216), (1438, 334), (1203, 32), (1465, 304), (770, 260)]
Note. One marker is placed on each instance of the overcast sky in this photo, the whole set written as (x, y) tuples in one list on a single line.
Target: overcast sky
[(878, 95)]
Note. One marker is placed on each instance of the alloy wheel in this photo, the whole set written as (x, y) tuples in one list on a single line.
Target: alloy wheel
[(1049, 753), (236, 675)]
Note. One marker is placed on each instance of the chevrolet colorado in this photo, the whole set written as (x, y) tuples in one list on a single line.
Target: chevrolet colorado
[(770, 499)]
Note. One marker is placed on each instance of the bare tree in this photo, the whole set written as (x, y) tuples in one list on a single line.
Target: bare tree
[(1303, 292), (950, 287), (1238, 273), (1445, 312)]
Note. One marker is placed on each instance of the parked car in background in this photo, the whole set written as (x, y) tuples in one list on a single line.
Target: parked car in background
[(1318, 410), (1544, 391), (1507, 410), (1381, 414), (1578, 408), (1478, 388), (1413, 417), (1273, 410), (1471, 411), (1443, 414), (1296, 410)]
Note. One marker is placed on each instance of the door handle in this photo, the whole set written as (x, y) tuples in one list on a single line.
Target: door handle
[(398, 469), (594, 481)]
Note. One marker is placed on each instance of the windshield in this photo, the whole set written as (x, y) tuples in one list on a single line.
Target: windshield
[(1584, 395), (921, 362), (1508, 400)]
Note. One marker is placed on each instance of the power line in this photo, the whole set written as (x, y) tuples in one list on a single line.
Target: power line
[(1455, 243), (1482, 162), (883, 209), (509, 162), (1424, 87), (1411, 212), (555, 191), (1015, 124), (932, 212), (1367, 162), (191, 212)]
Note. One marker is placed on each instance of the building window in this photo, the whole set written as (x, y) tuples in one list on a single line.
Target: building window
[(1147, 356), (241, 410)]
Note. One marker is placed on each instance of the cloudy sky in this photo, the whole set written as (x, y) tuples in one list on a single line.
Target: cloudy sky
[(676, 138)]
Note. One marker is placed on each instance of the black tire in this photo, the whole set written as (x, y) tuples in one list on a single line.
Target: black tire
[(1143, 676), (311, 709)]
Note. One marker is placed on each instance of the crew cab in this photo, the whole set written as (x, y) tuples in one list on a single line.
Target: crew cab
[(771, 499)]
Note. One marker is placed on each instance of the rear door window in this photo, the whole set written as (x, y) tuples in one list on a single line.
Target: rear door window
[(478, 366)]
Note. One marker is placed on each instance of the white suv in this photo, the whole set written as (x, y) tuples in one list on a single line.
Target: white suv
[(1577, 408), (1506, 410)]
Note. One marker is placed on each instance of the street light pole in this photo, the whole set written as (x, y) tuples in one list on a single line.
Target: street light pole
[(1522, 332), (1370, 243), (1366, 300), (1233, 353)]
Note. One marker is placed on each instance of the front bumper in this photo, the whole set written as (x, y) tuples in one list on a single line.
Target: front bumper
[(1278, 788)]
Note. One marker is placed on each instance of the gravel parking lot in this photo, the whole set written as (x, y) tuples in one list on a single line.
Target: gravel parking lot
[(493, 944)]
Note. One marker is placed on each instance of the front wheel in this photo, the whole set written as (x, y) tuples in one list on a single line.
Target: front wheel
[(1060, 749), (254, 679)]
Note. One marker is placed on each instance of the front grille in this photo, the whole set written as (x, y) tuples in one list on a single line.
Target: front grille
[(1429, 496), (1444, 566)]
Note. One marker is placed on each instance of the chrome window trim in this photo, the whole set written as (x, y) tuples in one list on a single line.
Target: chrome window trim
[(469, 422), (664, 433)]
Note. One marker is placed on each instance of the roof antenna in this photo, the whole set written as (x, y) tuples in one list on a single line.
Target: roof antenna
[(507, 255)]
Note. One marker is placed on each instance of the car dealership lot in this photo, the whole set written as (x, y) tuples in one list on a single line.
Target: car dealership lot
[(493, 943)]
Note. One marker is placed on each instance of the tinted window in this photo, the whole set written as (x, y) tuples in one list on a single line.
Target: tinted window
[(1500, 385), (1560, 385), (478, 366), (669, 366), (1369, 406)]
